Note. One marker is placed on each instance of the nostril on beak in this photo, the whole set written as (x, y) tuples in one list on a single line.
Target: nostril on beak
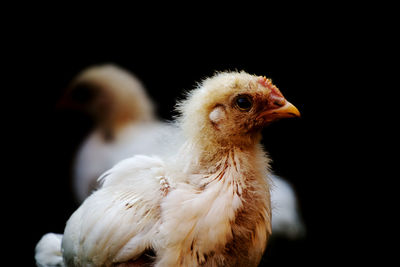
[(278, 103)]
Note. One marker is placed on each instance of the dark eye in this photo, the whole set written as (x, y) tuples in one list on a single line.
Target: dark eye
[(244, 102)]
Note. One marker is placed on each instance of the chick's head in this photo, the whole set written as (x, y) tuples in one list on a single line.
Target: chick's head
[(230, 109)]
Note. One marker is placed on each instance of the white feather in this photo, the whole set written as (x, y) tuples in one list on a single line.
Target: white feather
[(130, 199), (285, 215), (96, 155), (48, 251)]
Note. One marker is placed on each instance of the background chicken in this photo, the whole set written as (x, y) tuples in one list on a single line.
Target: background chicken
[(219, 167), (127, 125)]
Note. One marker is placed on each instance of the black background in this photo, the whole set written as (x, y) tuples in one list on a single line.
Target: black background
[(317, 66)]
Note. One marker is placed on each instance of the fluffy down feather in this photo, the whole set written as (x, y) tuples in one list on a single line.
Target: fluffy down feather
[(48, 251), (118, 222)]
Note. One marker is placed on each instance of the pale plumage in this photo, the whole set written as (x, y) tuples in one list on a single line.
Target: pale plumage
[(119, 221), (97, 155), (48, 251), (143, 134), (206, 203), (286, 219)]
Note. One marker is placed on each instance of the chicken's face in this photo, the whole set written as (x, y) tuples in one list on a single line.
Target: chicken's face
[(231, 108), (250, 107)]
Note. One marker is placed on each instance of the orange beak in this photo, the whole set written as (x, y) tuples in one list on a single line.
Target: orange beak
[(277, 107), (287, 110)]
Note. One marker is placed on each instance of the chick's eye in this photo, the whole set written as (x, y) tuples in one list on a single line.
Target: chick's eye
[(244, 102)]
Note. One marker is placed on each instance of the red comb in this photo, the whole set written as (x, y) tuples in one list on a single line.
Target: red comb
[(267, 83)]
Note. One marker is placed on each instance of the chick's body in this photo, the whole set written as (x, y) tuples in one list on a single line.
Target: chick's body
[(126, 126), (206, 204)]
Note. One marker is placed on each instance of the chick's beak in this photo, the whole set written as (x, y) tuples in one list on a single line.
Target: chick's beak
[(283, 110)]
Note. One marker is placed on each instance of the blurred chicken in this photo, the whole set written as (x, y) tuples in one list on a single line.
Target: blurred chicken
[(127, 126), (207, 203), (124, 119)]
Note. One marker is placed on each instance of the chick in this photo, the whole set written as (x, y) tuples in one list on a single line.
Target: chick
[(208, 204), (126, 126)]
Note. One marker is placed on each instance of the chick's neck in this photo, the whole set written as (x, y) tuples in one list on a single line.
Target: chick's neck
[(206, 158), (212, 146)]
